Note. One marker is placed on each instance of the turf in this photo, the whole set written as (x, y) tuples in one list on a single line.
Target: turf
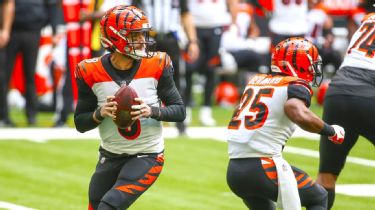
[(55, 175)]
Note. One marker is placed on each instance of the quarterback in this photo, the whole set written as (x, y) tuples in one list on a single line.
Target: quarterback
[(270, 107), (130, 160)]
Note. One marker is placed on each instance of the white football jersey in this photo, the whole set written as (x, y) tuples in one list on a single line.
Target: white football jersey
[(145, 135), (289, 17), (361, 50), (260, 127), (238, 39), (108, 4), (209, 13), (316, 18)]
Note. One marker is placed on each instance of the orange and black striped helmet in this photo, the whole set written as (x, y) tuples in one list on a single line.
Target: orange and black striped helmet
[(125, 29), (298, 57)]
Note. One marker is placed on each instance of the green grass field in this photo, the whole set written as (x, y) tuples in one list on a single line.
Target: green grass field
[(55, 175)]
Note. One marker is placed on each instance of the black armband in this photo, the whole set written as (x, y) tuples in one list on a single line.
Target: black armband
[(155, 112), (327, 130), (97, 115)]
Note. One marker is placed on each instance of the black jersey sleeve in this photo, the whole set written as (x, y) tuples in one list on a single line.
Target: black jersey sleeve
[(174, 109), (86, 105), (301, 90)]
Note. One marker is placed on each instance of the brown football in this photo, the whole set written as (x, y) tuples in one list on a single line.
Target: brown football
[(125, 100)]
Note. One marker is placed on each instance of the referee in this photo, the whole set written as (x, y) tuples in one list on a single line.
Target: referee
[(166, 17)]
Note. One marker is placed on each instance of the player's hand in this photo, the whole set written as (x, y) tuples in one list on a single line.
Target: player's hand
[(109, 108), (338, 138), (193, 51), (141, 110)]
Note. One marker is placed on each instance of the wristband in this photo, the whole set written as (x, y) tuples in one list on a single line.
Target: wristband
[(155, 112), (194, 41), (97, 114), (327, 130)]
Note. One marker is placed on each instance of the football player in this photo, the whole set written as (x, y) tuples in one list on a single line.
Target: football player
[(270, 107), (350, 102), (130, 160), (320, 25)]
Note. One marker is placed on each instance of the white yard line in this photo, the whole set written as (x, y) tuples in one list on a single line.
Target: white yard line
[(217, 133), (313, 153), (11, 206), (357, 190), (45, 134)]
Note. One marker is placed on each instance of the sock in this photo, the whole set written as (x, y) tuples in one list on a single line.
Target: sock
[(331, 197), (105, 206)]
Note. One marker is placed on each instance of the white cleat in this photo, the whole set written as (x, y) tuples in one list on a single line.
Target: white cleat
[(187, 120), (205, 116)]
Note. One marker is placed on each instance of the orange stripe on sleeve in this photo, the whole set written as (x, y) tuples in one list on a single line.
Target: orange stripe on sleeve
[(271, 174), (304, 183), (299, 177), (156, 169), (148, 180), (129, 188)]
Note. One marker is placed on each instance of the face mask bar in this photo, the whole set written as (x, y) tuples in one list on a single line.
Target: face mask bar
[(318, 77), (141, 44)]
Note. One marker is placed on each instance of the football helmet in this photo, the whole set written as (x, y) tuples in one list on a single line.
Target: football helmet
[(125, 29), (298, 57)]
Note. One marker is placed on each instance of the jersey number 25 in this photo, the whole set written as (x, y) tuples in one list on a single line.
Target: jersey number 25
[(258, 109)]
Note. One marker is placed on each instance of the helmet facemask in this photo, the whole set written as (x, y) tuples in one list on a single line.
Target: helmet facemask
[(316, 68), (139, 44)]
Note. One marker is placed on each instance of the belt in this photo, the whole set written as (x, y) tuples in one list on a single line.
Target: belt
[(109, 154)]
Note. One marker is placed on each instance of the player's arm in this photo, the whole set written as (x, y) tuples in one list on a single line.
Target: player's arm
[(297, 112), (7, 11), (87, 115), (296, 108), (233, 10), (86, 107), (189, 28), (174, 109)]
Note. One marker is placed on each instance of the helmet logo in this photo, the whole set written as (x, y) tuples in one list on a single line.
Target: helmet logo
[(275, 68)]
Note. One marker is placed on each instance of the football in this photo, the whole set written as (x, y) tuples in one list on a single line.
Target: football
[(125, 100)]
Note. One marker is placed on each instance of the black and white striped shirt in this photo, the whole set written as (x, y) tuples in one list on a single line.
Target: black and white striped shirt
[(164, 15)]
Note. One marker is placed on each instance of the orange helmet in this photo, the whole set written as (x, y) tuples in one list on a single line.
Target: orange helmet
[(226, 94), (125, 29), (298, 57)]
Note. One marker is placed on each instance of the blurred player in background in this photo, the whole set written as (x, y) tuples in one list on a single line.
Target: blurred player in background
[(130, 159), (350, 102), (270, 107), (320, 25), (286, 18), (7, 15), (210, 19)]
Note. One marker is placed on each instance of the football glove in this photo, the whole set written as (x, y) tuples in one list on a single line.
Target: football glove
[(338, 138)]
